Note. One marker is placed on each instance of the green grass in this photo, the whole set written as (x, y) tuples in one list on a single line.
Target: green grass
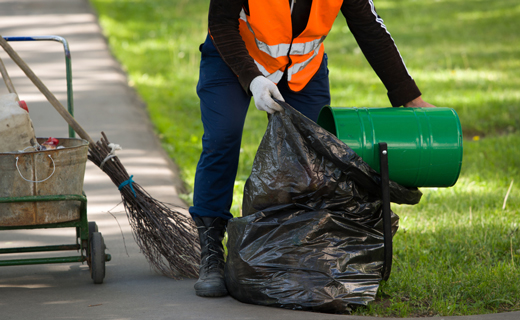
[(458, 251)]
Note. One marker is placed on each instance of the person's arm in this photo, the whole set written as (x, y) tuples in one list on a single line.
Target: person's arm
[(223, 27), (381, 52)]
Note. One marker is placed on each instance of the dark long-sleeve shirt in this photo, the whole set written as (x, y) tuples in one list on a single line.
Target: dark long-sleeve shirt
[(367, 27)]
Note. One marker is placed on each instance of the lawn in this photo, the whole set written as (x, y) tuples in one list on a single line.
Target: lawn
[(458, 251)]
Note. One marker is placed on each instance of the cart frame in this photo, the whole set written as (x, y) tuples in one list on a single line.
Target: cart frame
[(89, 242)]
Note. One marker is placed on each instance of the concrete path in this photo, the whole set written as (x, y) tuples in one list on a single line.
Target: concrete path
[(103, 102)]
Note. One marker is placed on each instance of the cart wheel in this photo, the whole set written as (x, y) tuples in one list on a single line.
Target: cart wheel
[(97, 257), (92, 227)]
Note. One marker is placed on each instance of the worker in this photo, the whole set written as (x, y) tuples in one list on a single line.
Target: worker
[(271, 49)]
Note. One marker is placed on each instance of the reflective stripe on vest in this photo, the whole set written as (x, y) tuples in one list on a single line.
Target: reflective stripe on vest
[(267, 33), (274, 77), (282, 49), (297, 67)]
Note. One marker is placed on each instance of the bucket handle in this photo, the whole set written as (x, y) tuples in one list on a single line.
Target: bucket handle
[(53, 170)]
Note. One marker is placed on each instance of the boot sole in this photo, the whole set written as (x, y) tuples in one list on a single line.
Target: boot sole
[(211, 293)]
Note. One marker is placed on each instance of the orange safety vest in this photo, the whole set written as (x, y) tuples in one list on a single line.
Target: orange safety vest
[(267, 33)]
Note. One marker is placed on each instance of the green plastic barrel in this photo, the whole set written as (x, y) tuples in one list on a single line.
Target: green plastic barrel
[(424, 144)]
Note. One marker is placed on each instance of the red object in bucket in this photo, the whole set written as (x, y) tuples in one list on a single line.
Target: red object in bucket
[(51, 143), (23, 105)]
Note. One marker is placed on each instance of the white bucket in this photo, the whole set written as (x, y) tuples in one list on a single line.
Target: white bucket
[(16, 128)]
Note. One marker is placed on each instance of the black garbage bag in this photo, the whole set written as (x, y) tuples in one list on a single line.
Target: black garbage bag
[(311, 235)]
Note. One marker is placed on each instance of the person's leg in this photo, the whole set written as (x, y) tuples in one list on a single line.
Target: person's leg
[(223, 105), (313, 97)]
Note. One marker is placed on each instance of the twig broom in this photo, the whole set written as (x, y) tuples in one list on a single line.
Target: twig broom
[(167, 238)]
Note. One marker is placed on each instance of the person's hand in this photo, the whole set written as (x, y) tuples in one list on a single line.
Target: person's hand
[(418, 103), (264, 90)]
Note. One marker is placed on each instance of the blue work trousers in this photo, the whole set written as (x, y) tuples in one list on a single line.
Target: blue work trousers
[(223, 106)]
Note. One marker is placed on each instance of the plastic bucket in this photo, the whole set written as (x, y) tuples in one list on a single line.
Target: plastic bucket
[(424, 144), (42, 173)]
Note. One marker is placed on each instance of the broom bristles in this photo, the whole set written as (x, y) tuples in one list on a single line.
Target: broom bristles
[(167, 238)]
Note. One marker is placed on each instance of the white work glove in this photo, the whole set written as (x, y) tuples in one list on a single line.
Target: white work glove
[(264, 90)]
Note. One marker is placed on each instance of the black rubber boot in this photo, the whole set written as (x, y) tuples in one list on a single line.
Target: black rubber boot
[(211, 276)]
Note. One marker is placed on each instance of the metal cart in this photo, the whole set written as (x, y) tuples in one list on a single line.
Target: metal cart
[(45, 208)]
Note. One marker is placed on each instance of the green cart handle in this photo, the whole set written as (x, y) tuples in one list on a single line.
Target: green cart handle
[(68, 68)]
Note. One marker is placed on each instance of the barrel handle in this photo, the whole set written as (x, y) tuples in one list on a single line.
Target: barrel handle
[(53, 170)]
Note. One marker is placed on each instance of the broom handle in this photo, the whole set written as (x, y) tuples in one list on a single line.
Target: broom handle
[(7, 80), (46, 92)]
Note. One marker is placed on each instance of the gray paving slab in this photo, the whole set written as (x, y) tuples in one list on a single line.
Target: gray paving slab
[(103, 102)]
